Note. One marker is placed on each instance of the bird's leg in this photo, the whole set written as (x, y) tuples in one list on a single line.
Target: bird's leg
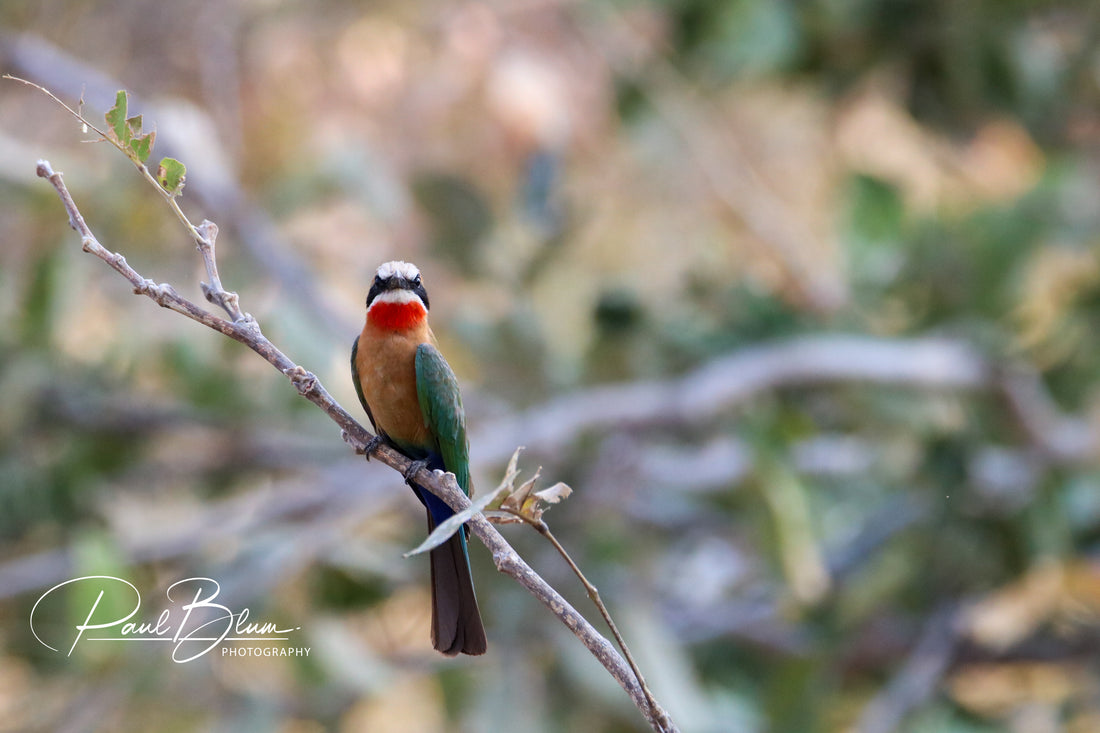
[(412, 470), (373, 443)]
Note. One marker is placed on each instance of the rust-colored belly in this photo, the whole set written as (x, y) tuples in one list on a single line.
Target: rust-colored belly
[(386, 361)]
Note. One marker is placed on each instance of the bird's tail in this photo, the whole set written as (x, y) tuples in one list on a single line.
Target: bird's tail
[(456, 620)]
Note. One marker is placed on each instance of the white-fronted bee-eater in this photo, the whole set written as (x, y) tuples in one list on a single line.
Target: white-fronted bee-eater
[(411, 396)]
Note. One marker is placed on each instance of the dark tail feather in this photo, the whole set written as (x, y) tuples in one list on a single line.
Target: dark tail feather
[(456, 620)]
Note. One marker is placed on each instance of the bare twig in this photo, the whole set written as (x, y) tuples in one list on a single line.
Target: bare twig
[(247, 331), (206, 234), (543, 528)]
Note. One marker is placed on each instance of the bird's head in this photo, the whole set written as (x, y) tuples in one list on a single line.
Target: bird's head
[(397, 299)]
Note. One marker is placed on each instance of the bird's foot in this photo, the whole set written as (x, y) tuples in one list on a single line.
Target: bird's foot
[(373, 443), (413, 469)]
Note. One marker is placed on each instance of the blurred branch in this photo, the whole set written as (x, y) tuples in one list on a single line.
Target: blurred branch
[(919, 676), (758, 615), (329, 493), (243, 328), (1059, 437), (734, 379), (725, 382)]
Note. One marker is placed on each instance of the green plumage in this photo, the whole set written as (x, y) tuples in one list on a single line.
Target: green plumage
[(441, 406)]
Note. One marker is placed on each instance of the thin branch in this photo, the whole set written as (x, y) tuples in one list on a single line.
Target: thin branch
[(213, 291), (246, 330), (543, 528)]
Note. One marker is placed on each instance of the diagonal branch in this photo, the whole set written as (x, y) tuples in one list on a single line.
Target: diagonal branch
[(245, 329)]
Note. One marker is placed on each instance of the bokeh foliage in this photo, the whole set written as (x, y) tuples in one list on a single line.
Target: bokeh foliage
[(597, 193)]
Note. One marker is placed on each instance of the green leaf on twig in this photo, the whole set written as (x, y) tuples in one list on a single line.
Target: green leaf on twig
[(126, 131), (133, 126), (116, 119), (142, 146), (171, 175), (139, 146)]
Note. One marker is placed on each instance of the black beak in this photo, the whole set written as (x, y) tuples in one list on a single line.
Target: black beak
[(397, 283)]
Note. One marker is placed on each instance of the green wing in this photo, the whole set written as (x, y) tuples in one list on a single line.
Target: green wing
[(441, 404)]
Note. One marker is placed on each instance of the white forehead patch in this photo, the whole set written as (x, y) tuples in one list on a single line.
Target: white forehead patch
[(407, 270)]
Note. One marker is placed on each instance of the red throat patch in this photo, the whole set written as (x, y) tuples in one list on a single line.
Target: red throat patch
[(396, 316)]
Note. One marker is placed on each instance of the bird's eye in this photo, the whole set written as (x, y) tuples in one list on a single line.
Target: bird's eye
[(416, 280)]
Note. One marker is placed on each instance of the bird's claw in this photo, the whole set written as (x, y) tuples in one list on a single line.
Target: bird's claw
[(413, 469), (373, 443)]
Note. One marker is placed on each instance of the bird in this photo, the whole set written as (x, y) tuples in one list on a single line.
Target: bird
[(412, 399)]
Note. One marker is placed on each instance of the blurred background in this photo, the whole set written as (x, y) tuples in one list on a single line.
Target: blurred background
[(798, 296)]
